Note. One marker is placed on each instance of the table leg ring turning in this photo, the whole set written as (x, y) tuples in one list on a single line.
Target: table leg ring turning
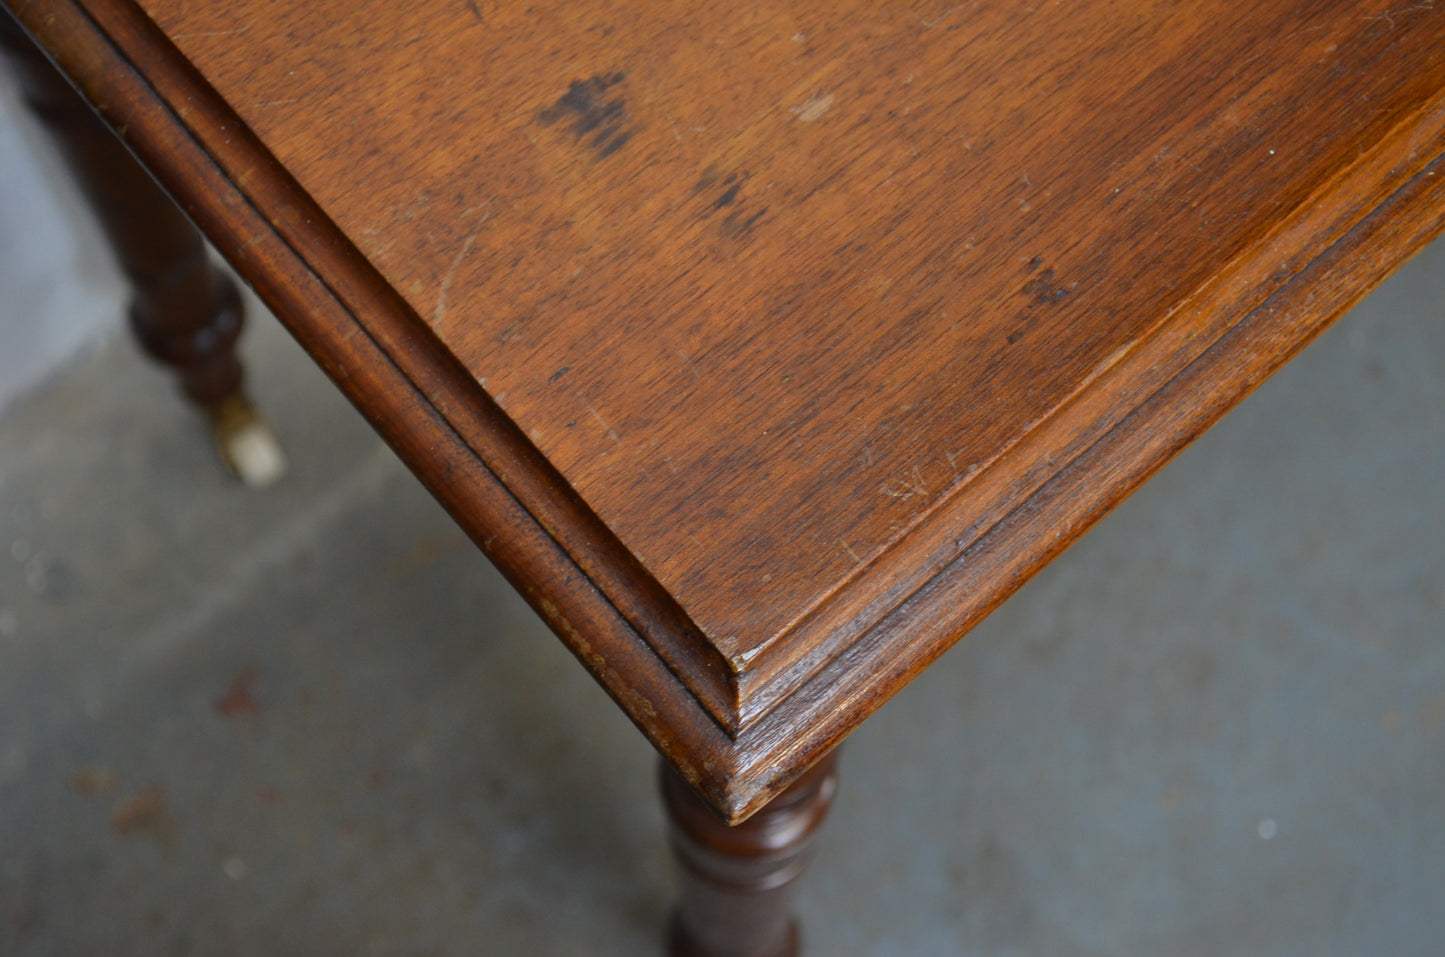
[(738, 882)]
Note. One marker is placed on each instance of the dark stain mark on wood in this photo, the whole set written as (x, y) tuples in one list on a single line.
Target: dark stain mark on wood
[(741, 216), (559, 373), (727, 198), (708, 177), (476, 9), (1034, 263), (738, 223), (595, 115), (1014, 337), (732, 184), (1044, 290)]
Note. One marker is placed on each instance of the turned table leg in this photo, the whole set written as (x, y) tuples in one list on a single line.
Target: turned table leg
[(185, 311), (738, 882)]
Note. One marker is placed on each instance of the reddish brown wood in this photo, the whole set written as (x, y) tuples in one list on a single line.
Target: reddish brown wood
[(757, 284), (738, 881), (758, 468), (184, 311)]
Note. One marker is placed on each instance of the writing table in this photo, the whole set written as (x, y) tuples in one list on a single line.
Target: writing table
[(765, 348)]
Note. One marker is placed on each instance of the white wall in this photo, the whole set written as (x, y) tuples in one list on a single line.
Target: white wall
[(59, 289)]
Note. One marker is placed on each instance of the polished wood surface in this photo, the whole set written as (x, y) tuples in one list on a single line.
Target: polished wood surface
[(771, 285), (768, 347)]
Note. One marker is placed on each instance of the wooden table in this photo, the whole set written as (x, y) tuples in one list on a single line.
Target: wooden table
[(764, 347)]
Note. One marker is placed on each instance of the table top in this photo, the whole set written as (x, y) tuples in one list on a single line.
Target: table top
[(767, 347)]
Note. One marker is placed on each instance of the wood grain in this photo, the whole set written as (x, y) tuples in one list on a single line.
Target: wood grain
[(762, 286), (767, 348)]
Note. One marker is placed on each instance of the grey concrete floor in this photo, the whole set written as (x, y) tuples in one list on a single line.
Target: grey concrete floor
[(314, 721)]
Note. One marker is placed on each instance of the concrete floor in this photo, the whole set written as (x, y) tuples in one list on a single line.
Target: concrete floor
[(313, 720)]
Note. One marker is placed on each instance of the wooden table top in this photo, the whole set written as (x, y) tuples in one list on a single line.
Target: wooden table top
[(766, 347)]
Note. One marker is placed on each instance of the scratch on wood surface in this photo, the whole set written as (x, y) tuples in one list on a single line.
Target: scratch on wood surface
[(963, 473), (816, 107), (441, 308), (237, 31), (666, 459), (918, 482), (265, 103), (938, 20), (689, 364), (903, 488), (1387, 17), (602, 422), (906, 487), (851, 554), (1239, 67)]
